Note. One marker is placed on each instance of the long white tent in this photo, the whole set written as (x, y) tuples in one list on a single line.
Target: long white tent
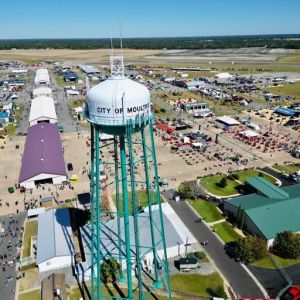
[(42, 77), (42, 91), (42, 110)]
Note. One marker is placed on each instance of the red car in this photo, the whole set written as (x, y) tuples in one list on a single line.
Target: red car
[(292, 293)]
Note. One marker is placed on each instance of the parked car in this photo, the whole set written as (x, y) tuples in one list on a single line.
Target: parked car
[(70, 167)]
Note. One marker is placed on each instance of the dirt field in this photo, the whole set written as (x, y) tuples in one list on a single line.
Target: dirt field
[(71, 56)]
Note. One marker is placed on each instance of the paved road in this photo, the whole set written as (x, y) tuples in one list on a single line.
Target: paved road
[(10, 244), (242, 283), (284, 181)]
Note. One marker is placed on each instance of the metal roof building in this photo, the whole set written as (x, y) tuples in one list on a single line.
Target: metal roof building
[(42, 109), (42, 91), (268, 211), (55, 248), (176, 234), (89, 69), (42, 77), (43, 159), (70, 76)]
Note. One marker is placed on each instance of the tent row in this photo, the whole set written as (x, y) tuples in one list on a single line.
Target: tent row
[(43, 160), (42, 77)]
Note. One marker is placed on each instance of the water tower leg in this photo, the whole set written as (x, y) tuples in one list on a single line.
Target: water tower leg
[(135, 214), (126, 216), (157, 282), (118, 213), (165, 264)]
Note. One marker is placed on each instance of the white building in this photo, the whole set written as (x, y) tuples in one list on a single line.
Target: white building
[(55, 248), (42, 77), (42, 91), (176, 235), (42, 110)]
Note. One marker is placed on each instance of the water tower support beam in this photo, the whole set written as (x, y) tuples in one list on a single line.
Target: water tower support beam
[(126, 216)]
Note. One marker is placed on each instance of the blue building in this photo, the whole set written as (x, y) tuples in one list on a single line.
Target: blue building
[(70, 76)]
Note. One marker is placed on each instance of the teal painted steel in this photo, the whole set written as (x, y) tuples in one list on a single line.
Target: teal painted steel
[(166, 266), (126, 251), (126, 216), (135, 213)]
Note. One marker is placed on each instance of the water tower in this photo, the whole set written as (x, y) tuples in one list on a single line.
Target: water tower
[(120, 107)]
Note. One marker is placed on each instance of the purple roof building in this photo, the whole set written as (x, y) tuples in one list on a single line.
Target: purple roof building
[(43, 159)]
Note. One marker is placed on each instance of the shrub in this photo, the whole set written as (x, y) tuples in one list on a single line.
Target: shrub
[(162, 110), (217, 292), (200, 254)]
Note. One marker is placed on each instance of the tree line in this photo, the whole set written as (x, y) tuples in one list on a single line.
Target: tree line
[(268, 41)]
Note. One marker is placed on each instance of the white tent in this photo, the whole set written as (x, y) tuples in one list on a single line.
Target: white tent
[(249, 133), (42, 77), (224, 75), (42, 91), (42, 110), (228, 121)]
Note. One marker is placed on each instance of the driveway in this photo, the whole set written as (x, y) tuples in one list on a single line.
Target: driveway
[(239, 279)]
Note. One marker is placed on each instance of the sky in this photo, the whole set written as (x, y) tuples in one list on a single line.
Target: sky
[(146, 18)]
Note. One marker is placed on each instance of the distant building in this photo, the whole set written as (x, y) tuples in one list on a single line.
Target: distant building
[(70, 76), (42, 77), (195, 107), (268, 211), (89, 69)]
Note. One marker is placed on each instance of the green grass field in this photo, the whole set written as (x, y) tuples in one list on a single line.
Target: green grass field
[(267, 263), (30, 230), (33, 295), (194, 284), (11, 129), (289, 169), (292, 90), (76, 103), (206, 210), (246, 174), (293, 58), (226, 232), (210, 184)]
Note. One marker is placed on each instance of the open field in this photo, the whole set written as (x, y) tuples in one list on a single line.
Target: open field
[(292, 90), (226, 232), (293, 58), (246, 174), (207, 210)]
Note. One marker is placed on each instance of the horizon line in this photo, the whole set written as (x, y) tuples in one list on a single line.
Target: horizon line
[(153, 37)]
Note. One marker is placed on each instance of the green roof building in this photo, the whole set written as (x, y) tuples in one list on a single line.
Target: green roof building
[(268, 211)]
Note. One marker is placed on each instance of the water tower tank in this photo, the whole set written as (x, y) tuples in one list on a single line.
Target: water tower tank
[(115, 102)]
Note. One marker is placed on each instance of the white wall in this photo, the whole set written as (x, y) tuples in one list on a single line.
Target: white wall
[(34, 122), (30, 183), (55, 263)]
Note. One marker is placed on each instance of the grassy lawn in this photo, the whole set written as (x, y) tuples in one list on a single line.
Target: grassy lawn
[(33, 295), (267, 263), (292, 90), (246, 174), (11, 129), (76, 103), (226, 232), (206, 210), (60, 80), (75, 294), (289, 169), (30, 230), (210, 184), (194, 284), (141, 199)]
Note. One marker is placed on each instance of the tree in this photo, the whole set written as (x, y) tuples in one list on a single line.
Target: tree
[(287, 245), (110, 270), (186, 190), (217, 292), (248, 249), (223, 182)]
